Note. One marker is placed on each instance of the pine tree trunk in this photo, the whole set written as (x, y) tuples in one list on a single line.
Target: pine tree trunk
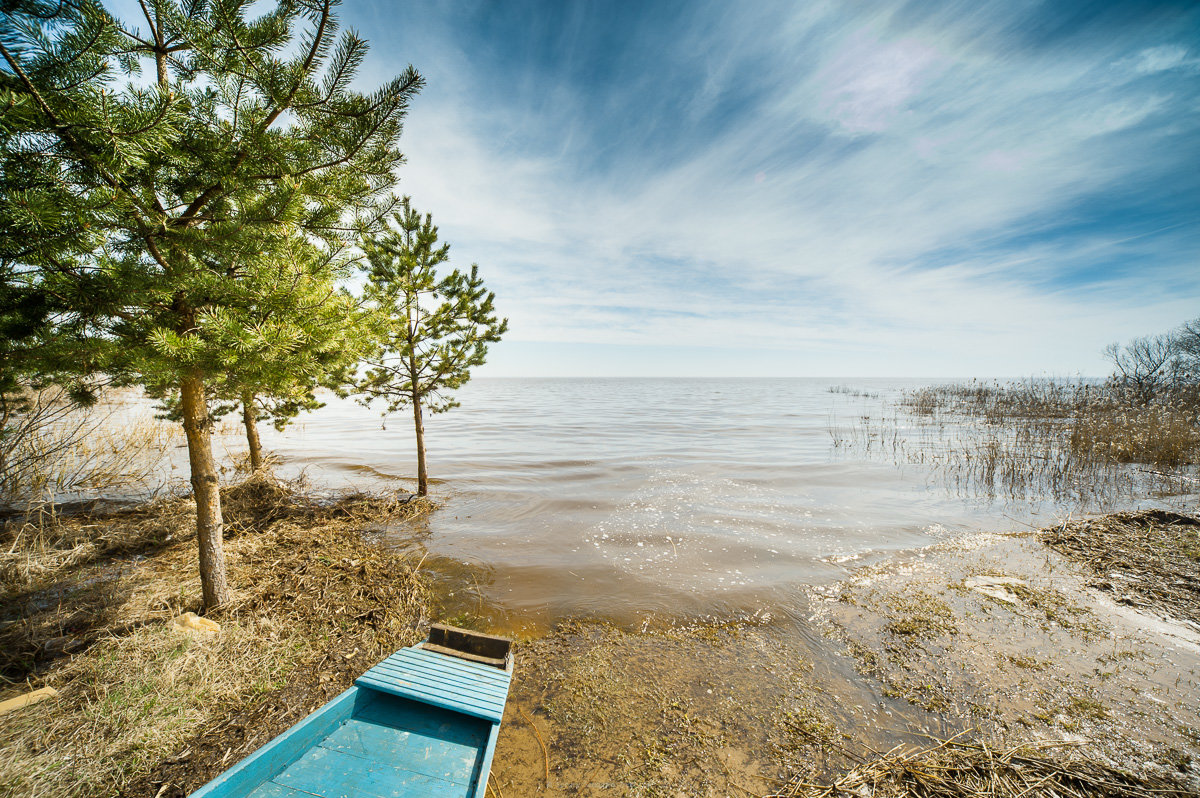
[(250, 419), (422, 475), (209, 524)]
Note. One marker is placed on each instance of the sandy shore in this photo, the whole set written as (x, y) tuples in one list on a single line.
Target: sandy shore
[(994, 636)]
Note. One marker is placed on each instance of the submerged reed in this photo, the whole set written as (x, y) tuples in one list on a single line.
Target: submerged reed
[(1068, 441), (52, 449)]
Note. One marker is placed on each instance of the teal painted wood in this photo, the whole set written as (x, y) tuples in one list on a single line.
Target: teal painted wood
[(449, 752), (333, 774), (282, 751), (467, 687), (423, 719), (273, 790), (418, 725), (483, 676), (468, 682), (485, 764), (476, 670), (427, 695), (485, 697)]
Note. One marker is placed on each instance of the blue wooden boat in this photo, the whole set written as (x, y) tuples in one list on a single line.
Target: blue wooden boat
[(421, 724)]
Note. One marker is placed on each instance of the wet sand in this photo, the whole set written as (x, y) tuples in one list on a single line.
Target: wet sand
[(994, 635)]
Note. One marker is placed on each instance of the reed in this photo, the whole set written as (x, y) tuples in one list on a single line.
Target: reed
[(957, 768), (54, 449), (1069, 441)]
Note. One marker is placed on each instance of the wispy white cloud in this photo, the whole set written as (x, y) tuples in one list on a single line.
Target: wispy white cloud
[(892, 193), (869, 81), (1160, 59)]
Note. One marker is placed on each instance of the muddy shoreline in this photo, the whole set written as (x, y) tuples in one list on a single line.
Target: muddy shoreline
[(993, 638), (1001, 637)]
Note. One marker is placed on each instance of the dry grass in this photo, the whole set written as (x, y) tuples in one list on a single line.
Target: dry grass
[(1103, 423), (130, 700), (956, 768), (143, 707), (1071, 442), (1162, 436), (1149, 558), (111, 446)]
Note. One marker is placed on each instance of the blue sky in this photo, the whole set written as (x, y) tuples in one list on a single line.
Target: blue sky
[(808, 189)]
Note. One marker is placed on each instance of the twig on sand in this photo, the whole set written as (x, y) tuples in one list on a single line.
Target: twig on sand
[(541, 742)]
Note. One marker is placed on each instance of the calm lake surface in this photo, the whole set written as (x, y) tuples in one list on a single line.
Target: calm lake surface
[(631, 499)]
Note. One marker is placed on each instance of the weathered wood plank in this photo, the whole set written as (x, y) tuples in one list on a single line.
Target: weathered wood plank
[(485, 763), (402, 669), (493, 662), (436, 697), (491, 647), (455, 684), (451, 664), (333, 774), (272, 790), (429, 755), (425, 672)]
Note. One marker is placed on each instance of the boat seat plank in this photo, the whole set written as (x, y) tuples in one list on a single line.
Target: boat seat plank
[(451, 664), (449, 678), (423, 677), (334, 774), (436, 696), (466, 687)]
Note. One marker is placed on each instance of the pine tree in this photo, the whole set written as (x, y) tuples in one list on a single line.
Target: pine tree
[(320, 348), (289, 335), (432, 330), (148, 204)]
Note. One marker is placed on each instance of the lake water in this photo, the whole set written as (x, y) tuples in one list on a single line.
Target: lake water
[(630, 499)]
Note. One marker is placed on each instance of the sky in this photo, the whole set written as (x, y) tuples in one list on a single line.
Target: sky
[(735, 189)]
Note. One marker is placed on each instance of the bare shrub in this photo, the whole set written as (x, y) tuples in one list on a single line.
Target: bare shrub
[(52, 447), (1145, 366)]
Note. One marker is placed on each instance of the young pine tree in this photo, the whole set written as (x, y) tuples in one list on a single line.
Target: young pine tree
[(291, 332), (145, 201), (432, 329), (296, 357)]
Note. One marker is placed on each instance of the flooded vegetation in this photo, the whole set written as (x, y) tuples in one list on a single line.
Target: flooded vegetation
[(1085, 445), (55, 450)]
